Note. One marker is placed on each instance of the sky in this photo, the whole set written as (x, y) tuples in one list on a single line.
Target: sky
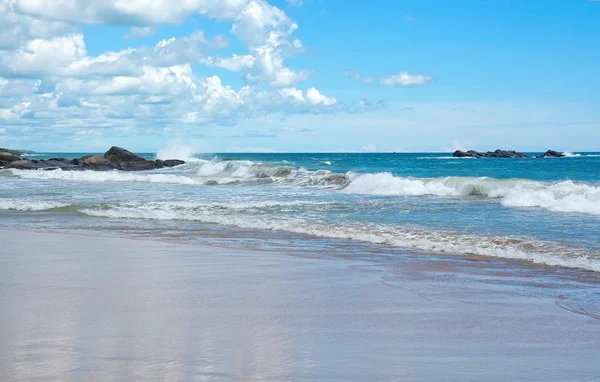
[(300, 75)]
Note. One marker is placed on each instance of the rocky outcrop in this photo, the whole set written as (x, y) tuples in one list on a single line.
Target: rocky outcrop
[(116, 158), (118, 154), (490, 154), (551, 154), (7, 157), (13, 152), (172, 162)]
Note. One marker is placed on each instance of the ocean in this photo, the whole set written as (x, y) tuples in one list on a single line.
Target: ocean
[(541, 211)]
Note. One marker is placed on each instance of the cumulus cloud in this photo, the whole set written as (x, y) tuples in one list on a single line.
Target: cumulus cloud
[(49, 79)]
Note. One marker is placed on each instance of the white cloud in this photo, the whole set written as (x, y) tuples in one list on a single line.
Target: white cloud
[(295, 3), (50, 80), (16, 29), (235, 63), (315, 97), (405, 79), (129, 12), (2, 130), (40, 56), (139, 32), (88, 132)]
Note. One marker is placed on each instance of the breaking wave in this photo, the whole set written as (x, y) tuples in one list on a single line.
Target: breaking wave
[(29, 205), (564, 196)]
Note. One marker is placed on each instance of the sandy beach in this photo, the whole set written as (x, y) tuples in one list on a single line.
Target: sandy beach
[(102, 308)]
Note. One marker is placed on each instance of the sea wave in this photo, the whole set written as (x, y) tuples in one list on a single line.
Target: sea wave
[(290, 216), (405, 237), (564, 196), (103, 176), (29, 205)]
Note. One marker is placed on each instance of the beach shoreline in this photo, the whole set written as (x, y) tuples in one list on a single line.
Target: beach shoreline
[(98, 308)]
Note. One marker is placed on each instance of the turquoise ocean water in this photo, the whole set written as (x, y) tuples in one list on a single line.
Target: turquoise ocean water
[(546, 211)]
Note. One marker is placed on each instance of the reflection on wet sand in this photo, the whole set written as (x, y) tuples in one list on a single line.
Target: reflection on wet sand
[(95, 309)]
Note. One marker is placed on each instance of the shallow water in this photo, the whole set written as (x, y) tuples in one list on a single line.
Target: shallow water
[(545, 211)]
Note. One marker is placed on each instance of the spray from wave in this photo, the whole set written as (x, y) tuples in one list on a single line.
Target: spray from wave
[(176, 150)]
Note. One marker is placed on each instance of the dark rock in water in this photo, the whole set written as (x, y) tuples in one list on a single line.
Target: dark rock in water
[(25, 164), (94, 160), (490, 154), (173, 162), (127, 161), (505, 154), (137, 166), (115, 158), (64, 160), (118, 154), (465, 154), (57, 163), (551, 154)]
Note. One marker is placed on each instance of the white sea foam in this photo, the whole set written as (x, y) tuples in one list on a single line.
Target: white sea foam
[(104, 176), (565, 196), (571, 155), (405, 237), (28, 205)]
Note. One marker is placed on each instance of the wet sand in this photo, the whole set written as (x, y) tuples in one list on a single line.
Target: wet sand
[(87, 308)]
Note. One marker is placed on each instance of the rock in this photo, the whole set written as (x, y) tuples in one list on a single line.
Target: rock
[(127, 161), (490, 154), (137, 166), (117, 154), (55, 163), (13, 152), (465, 154), (505, 154), (25, 164), (8, 157), (115, 158), (173, 162), (551, 154), (94, 160), (64, 160)]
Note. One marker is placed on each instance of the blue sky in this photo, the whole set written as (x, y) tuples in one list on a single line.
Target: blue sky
[(300, 75)]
